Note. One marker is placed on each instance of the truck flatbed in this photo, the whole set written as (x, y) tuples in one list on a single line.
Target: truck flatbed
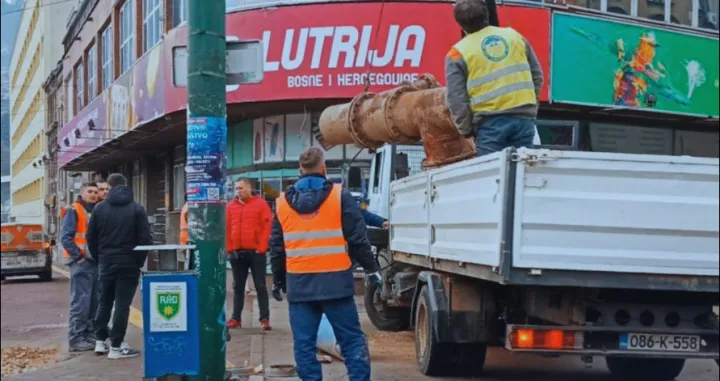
[(563, 218)]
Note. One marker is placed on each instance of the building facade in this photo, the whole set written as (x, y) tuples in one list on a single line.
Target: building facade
[(35, 53), (125, 75)]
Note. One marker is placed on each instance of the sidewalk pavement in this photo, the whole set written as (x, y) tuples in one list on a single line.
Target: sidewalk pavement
[(249, 346), (244, 349)]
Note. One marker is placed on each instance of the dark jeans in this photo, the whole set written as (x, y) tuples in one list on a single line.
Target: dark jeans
[(343, 317), (83, 300), (499, 132), (242, 262), (118, 284)]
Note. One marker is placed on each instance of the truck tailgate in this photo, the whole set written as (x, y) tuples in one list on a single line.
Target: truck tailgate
[(616, 213), (454, 212)]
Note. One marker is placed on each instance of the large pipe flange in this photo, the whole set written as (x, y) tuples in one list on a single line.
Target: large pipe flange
[(355, 127), (389, 111)]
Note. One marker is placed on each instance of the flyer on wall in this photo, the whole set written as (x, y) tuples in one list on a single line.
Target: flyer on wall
[(206, 160)]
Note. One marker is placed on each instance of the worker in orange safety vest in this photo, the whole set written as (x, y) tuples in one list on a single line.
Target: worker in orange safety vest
[(317, 229), (184, 234), (83, 270)]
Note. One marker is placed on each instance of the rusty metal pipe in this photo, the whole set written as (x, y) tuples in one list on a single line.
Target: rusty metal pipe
[(413, 112)]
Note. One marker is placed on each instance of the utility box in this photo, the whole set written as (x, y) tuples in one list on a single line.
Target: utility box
[(170, 317)]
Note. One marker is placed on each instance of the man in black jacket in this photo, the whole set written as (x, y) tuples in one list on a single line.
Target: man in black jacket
[(117, 226), (317, 229)]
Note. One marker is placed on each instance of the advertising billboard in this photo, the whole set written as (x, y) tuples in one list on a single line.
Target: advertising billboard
[(134, 98), (610, 63), (335, 50)]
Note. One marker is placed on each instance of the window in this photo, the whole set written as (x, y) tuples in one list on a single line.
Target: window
[(178, 186), (92, 73), (107, 47), (79, 88), (707, 14), (127, 36), (70, 98), (152, 23), (376, 173), (180, 11)]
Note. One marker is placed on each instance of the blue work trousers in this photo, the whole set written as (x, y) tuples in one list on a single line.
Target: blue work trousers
[(343, 317), (499, 132)]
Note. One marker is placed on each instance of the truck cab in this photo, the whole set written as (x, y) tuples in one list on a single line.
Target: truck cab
[(26, 250)]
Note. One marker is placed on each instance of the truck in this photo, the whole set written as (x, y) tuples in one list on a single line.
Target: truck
[(551, 251), (26, 250)]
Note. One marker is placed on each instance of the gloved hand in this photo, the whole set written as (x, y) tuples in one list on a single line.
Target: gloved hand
[(375, 278), (277, 291)]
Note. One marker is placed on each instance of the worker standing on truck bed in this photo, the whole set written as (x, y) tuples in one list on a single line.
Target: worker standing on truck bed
[(493, 81), (317, 229), (83, 270)]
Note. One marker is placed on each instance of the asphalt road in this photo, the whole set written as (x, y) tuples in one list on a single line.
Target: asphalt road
[(34, 313)]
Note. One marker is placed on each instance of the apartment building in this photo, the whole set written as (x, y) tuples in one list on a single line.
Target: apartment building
[(37, 49)]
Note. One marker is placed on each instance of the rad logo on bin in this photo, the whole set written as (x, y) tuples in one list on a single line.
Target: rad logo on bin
[(168, 304)]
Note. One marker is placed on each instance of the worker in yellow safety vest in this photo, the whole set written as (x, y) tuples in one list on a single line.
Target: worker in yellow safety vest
[(493, 80)]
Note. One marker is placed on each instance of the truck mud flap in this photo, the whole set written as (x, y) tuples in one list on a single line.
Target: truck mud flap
[(449, 326)]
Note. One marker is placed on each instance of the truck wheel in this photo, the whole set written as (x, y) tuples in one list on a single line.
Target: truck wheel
[(46, 276), (383, 317), (644, 369), (443, 359)]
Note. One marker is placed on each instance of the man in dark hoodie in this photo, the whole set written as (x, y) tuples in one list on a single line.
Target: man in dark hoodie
[(318, 228), (117, 226), (83, 269)]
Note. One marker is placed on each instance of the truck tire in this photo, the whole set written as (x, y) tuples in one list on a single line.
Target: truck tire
[(383, 317), (645, 369), (443, 359)]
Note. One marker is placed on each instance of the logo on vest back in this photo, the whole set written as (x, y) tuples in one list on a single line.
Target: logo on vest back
[(495, 48)]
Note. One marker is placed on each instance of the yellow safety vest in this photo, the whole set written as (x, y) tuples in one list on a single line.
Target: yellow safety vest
[(499, 75)]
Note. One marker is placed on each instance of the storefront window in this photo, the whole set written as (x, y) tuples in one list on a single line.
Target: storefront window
[(271, 190), (621, 7), (287, 181), (707, 14), (178, 186)]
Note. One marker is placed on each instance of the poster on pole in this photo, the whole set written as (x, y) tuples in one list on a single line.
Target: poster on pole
[(168, 312), (206, 159)]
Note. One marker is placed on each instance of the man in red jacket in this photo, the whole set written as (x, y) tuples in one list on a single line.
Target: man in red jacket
[(248, 223)]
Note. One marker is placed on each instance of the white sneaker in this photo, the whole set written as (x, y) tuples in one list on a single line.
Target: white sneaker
[(125, 351), (101, 347)]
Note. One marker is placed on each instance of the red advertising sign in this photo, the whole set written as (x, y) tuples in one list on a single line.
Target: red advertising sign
[(534, 24), (333, 50)]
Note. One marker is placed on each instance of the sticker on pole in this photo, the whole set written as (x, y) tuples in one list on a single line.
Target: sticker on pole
[(168, 307), (206, 161)]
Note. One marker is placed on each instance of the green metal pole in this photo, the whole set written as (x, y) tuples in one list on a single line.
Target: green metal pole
[(207, 100)]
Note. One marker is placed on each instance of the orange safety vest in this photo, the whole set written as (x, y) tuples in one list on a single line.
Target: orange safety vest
[(314, 243), (184, 235), (81, 230)]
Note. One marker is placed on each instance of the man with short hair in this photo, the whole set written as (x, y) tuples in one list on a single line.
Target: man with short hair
[(493, 80), (317, 229), (247, 222), (117, 226), (103, 188), (83, 269)]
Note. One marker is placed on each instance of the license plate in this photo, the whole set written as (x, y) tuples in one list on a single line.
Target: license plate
[(660, 343), (23, 261)]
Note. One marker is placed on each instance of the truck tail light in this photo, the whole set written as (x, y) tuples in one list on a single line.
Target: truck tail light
[(549, 339)]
